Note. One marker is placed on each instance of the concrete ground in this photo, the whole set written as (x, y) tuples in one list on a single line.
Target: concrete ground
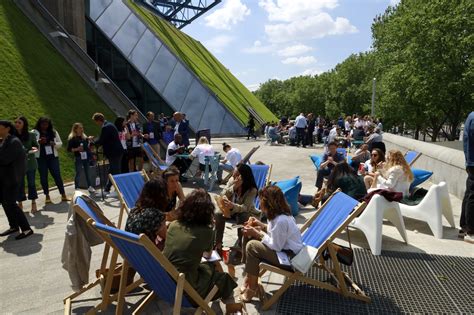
[(33, 281)]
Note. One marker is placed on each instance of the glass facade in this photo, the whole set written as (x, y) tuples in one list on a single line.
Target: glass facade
[(124, 75)]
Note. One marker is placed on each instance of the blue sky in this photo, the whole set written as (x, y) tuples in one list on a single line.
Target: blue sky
[(258, 40)]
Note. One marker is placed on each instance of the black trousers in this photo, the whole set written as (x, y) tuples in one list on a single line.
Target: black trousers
[(467, 212), (115, 167), (322, 173), (182, 165), (300, 136), (16, 217)]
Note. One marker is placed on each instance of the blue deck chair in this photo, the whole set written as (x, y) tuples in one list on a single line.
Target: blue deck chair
[(291, 189), (342, 151), (419, 177), (152, 156), (316, 159), (158, 272), (128, 187), (319, 232), (88, 209), (261, 173), (411, 157)]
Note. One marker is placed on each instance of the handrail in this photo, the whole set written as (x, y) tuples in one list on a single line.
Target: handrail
[(85, 57)]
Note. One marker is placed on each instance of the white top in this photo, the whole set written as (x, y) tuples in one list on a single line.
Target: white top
[(171, 158), (283, 233), (347, 125), (332, 135), (368, 166), (201, 151), (394, 180), (301, 122), (233, 157)]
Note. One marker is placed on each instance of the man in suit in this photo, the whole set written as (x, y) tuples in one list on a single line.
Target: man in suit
[(113, 149), (181, 127), (152, 132)]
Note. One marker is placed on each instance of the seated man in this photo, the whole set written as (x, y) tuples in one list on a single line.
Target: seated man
[(330, 159), (175, 148), (232, 158)]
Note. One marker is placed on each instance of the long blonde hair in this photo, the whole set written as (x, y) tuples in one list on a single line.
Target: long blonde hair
[(396, 158), (203, 140), (73, 132)]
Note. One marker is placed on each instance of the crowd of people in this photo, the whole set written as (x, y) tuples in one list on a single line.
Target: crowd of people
[(187, 228)]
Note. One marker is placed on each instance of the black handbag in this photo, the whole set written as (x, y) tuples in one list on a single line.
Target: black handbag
[(344, 254)]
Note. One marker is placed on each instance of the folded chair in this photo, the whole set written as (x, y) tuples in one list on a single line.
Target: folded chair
[(158, 272), (434, 205), (87, 209), (319, 232), (411, 157), (245, 160), (153, 157), (128, 187), (316, 159), (370, 222), (262, 174)]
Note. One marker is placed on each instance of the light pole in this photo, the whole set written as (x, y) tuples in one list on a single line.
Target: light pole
[(372, 113)]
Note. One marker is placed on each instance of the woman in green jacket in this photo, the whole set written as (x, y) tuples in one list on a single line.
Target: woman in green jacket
[(189, 239), (31, 147)]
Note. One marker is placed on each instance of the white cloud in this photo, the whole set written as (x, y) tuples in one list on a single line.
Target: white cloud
[(292, 10), (317, 26), (259, 48), (299, 61), (311, 72), (294, 50), (218, 43), (253, 87), (394, 2), (231, 12)]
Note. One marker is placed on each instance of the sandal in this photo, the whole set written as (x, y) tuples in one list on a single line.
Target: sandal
[(249, 294)]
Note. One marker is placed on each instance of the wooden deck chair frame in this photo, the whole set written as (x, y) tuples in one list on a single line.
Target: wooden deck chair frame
[(341, 278), (107, 271), (182, 286), (123, 204), (414, 159), (154, 169), (245, 160)]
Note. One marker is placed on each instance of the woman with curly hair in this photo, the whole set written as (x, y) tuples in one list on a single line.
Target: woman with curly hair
[(147, 217), (280, 235), (190, 238), (395, 176)]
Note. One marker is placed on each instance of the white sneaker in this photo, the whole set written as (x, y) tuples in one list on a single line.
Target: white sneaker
[(91, 190), (469, 238), (112, 194)]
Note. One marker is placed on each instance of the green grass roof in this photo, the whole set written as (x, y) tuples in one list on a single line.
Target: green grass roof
[(233, 94), (37, 81)]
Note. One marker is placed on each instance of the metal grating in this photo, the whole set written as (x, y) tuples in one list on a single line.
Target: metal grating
[(397, 283)]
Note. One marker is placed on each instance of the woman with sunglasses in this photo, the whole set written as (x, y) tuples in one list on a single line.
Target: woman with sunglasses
[(396, 175), (376, 162)]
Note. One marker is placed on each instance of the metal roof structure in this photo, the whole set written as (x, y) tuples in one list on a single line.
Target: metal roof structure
[(179, 12)]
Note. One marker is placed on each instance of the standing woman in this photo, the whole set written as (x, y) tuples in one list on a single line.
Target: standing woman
[(135, 152), (47, 157), (79, 145), (30, 146), (12, 170), (124, 136)]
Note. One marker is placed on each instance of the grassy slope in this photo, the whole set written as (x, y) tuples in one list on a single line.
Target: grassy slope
[(36, 81), (230, 90)]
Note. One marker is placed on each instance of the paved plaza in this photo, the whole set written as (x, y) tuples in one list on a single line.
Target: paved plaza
[(33, 281)]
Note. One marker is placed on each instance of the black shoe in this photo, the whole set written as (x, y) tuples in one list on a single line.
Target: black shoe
[(9, 231), (23, 235)]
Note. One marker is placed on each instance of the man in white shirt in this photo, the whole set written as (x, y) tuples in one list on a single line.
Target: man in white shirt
[(300, 123), (233, 157), (175, 148)]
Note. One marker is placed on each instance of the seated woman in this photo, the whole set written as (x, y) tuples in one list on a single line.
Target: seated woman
[(202, 150), (174, 191), (376, 162), (396, 175), (281, 234), (345, 178), (189, 239), (237, 202), (147, 216), (232, 158)]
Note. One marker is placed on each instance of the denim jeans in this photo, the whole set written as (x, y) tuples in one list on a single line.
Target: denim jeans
[(115, 166), (50, 163), (82, 164), (221, 169), (30, 179), (467, 210)]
